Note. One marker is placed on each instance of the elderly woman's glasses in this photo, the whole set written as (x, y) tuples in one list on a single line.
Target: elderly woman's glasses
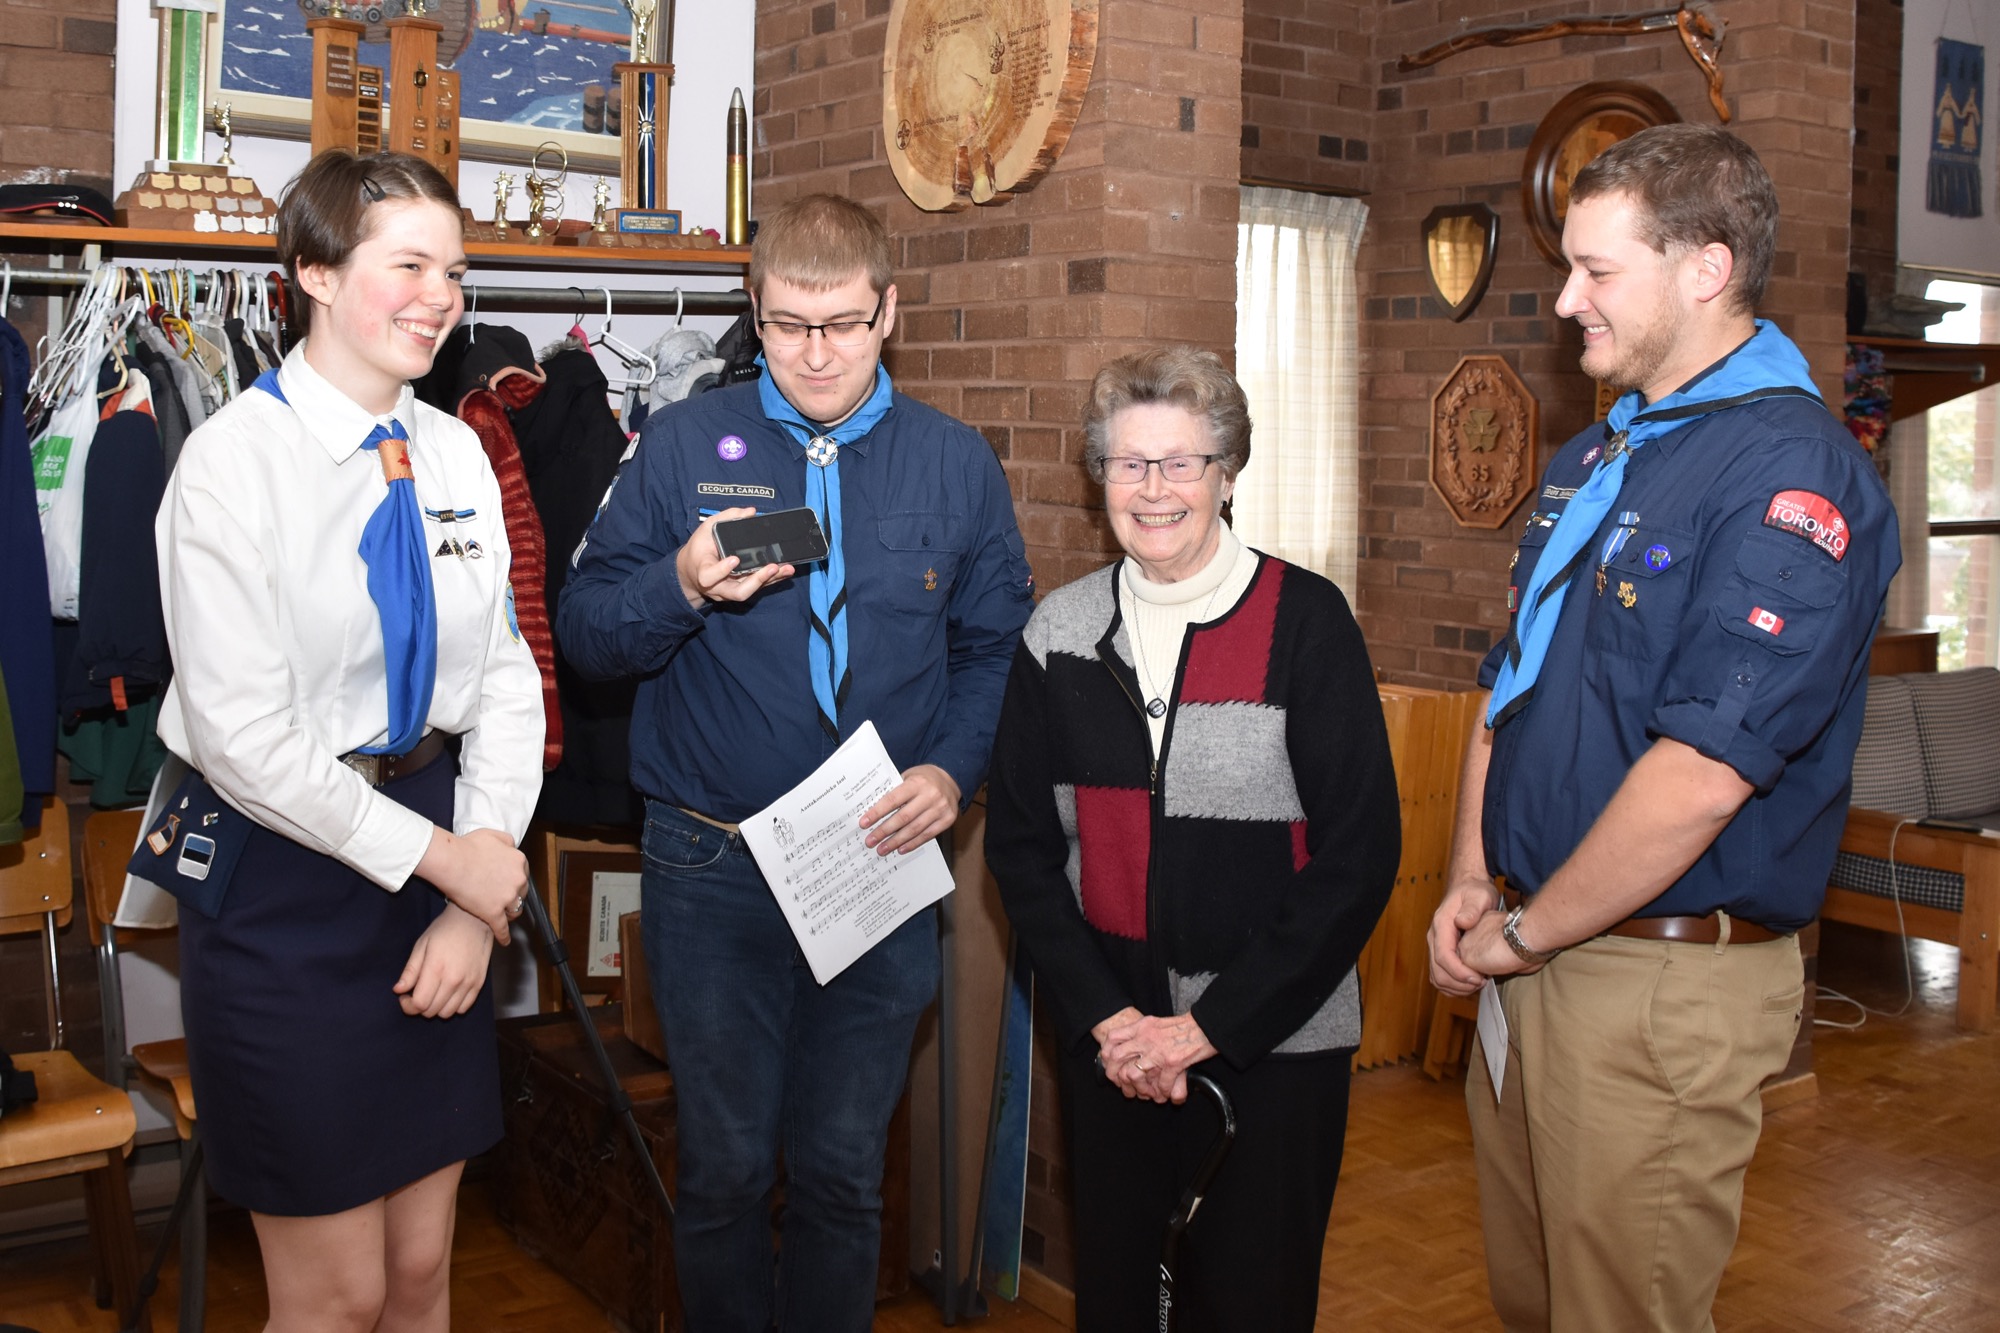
[(1180, 467), (840, 332)]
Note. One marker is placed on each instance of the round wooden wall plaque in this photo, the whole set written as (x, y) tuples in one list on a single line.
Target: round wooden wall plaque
[(979, 96)]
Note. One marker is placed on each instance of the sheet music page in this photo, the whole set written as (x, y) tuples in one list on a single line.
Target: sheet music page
[(840, 898)]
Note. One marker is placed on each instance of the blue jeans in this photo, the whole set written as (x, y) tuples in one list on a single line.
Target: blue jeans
[(764, 1056)]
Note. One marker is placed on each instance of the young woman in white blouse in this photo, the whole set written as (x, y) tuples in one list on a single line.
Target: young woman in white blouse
[(349, 676)]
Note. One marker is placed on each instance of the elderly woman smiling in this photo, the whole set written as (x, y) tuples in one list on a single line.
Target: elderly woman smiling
[(1193, 823)]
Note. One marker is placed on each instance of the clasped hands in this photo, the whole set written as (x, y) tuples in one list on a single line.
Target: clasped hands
[(1149, 1057), (1467, 948)]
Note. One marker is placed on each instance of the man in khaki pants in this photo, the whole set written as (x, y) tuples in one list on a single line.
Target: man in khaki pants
[(1663, 776)]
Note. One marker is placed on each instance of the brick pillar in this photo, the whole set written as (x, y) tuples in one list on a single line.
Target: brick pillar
[(1006, 311)]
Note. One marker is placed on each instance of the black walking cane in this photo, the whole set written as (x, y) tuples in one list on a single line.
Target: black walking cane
[(1196, 1191), (614, 1092)]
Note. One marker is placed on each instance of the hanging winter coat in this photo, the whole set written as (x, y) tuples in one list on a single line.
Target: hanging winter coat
[(571, 446), (27, 655)]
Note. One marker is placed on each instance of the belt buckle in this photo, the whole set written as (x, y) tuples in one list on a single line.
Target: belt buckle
[(369, 766)]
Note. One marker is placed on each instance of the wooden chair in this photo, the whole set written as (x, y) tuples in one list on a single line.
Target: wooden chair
[(81, 1125), (108, 839)]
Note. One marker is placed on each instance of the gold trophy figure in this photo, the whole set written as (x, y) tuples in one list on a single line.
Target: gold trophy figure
[(228, 138), (503, 185)]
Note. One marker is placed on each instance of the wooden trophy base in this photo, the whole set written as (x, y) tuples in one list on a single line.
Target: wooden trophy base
[(196, 196), (640, 228)]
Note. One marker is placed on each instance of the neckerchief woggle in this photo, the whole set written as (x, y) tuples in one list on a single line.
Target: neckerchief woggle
[(1766, 365), (397, 554), (826, 582)]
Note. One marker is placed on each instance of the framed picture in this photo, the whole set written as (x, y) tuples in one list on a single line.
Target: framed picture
[(528, 75), (595, 890), (1577, 129)]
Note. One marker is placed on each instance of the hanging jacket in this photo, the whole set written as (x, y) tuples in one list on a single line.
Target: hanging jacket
[(121, 650), (27, 653), (571, 446)]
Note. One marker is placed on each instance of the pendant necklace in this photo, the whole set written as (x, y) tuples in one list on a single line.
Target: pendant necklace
[(1156, 707)]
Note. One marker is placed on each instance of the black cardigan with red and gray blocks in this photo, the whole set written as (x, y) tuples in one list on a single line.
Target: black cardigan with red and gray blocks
[(1239, 877)]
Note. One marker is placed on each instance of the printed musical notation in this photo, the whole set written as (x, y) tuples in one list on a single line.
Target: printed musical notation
[(840, 898)]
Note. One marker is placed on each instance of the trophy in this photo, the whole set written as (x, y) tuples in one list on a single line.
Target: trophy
[(178, 191), (423, 99), (644, 87)]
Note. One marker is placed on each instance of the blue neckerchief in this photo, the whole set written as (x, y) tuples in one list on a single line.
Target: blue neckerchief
[(397, 554), (826, 582), (1767, 364)]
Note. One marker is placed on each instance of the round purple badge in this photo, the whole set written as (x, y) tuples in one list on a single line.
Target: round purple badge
[(1591, 457), (1658, 557), (731, 447)]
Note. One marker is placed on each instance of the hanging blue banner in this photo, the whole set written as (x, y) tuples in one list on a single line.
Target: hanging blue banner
[(1959, 116)]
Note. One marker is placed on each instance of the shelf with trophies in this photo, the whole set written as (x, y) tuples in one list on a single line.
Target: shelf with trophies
[(183, 204)]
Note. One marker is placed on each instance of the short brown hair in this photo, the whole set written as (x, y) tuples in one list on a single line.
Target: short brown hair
[(818, 242), (323, 215), (1187, 377), (1694, 185)]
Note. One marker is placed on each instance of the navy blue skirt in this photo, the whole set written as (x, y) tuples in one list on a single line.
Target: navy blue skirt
[(316, 1092)]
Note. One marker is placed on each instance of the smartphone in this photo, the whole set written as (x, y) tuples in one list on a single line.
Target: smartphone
[(197, 855), (784, 537)]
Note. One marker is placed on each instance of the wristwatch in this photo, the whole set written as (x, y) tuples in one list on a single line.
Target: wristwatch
[(1510, 931)]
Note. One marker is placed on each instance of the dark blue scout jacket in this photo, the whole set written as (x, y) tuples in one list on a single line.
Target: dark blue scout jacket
[(1728, 602), (937, 592)]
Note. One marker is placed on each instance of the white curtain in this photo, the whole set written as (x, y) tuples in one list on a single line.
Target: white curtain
[(1297, 354)]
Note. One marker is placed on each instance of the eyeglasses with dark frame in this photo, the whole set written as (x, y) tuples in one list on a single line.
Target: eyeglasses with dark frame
[(1131, 471), (839, 332)]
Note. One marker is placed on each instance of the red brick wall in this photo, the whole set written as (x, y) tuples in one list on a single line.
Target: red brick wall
[(55, 107), (1878, 92), (1432, 594), (1007, 311), (1309, 92)]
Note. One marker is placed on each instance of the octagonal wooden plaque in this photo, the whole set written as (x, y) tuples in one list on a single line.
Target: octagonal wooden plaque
[(1483, 427)]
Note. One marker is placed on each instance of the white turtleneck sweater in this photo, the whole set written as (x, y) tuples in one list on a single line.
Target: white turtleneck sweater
[(1157, 616)]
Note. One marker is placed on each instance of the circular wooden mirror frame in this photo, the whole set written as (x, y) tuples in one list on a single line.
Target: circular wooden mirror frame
[(1539, 173)]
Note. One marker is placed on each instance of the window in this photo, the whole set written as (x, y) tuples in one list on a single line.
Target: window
[(1297, 354), (1962, 597)]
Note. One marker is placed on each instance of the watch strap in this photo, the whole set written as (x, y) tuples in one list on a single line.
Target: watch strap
[(1510, 931)]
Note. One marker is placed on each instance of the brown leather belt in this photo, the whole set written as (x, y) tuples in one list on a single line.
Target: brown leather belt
[(379, 770), (1681, 929)]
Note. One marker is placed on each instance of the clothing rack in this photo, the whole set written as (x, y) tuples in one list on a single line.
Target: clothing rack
[(624, 300)]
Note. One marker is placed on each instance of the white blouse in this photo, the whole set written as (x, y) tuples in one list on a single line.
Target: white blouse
[(277, 646)]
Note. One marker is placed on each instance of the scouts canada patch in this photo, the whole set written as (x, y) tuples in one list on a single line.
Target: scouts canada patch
[(1811, 516)]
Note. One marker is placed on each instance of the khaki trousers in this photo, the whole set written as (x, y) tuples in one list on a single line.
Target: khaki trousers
[(1611, 1175)]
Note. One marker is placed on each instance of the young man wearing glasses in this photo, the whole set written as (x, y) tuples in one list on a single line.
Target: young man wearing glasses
[(749, 682)]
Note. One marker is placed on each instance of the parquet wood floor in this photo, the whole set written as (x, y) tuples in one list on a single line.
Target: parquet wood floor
[(1874, 1207)]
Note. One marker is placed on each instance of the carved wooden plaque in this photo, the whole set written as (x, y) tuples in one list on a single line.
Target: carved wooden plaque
[(979, 96), (1483, 427)]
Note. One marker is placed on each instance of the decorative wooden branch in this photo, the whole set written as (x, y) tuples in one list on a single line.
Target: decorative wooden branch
[(1700, 32)]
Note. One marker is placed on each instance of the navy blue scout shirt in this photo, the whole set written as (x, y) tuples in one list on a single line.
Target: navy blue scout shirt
[(937, 593), (1728, 603)]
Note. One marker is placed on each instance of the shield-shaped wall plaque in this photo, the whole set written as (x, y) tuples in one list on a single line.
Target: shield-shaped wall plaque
[(1460, 241)]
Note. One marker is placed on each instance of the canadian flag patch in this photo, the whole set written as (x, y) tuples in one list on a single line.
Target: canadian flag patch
[(1766, 621), (1811, 516)]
